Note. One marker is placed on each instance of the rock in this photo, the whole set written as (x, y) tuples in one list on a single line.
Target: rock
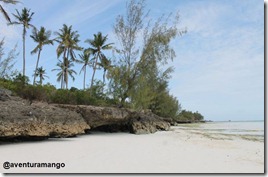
[(147, 123), (5, 94), (20, 119), (110, 119)]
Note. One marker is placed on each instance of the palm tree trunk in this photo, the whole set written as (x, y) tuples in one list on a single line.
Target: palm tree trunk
[(85, 77), (40, 80), (94, 70), (104, 76), (66, 63), (62, 80), (39, 52), (23, 38), (66, 80)]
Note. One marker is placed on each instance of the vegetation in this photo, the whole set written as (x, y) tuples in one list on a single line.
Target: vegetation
[(5, 14), (7, 61), (85, 60), (137, 73), (41, 37), (41, 73), (185, 116), (24, 18), (97, 45), (68, 43)]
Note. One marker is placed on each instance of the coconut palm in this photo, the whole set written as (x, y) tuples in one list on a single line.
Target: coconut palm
[(41, 73), (105, 64), (42, 38), (3, 10), (85, 60), (23, 19), (60, 74), (68, 42), (97, 45), (64, 70)]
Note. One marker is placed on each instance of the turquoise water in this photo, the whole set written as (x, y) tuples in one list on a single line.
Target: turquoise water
[(253, 130)]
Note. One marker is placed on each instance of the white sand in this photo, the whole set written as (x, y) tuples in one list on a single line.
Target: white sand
[(177, 151)]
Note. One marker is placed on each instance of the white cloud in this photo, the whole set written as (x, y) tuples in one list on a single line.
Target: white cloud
[(79, 12), (219, 62)]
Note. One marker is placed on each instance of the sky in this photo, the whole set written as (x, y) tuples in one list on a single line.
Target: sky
[(219, 64)]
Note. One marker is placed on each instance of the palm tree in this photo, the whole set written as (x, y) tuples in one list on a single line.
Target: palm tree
[(97, 45), (106, 65), (68, 43), (64, 70), (41, 73), (24, 19), (3, 10), (60, 74), (42, 38), (85, 60)]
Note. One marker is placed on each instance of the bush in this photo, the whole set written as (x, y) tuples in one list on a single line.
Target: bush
[(188, 116)]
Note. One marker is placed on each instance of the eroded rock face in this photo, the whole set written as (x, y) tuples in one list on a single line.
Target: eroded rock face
[(20, 119), (111, 119)]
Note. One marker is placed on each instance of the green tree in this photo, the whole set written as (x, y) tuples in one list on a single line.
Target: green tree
[(7, 61), (41, 73), (85, 60), (3, 10), (64, 70), (105, 64), (42, 38), (68, 44), (188, 116), (139, 73), (24, 18), (97, 45)]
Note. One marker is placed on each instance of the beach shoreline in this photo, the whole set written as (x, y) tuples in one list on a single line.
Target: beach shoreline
[(180, 150)]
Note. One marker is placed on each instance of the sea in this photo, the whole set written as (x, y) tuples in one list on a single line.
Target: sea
[(249, 130)]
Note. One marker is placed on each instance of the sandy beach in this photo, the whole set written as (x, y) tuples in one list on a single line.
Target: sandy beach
[(180, 150)]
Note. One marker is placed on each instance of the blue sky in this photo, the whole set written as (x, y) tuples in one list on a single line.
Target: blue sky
[(219, 68)]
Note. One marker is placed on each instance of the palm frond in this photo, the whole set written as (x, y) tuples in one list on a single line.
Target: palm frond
[(5, 14), (35, 50)]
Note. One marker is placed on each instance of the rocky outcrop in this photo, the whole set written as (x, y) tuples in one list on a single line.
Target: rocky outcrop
[(112, 119), (20, 119)]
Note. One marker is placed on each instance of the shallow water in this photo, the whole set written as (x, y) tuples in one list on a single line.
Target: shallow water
[(251, 130)]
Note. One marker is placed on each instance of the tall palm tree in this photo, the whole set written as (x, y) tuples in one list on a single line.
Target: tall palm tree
[(97, 45), (41, 73), (105, 64), (85, 60), (42, 38), (3, 10), (68, 44), (23, 19), (64, 70)]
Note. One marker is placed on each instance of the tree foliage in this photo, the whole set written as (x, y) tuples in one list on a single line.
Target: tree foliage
[(23, 18), (97, 46), (139, 76), (41, 37), (188, 116), (3, 11), (7, 61)]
